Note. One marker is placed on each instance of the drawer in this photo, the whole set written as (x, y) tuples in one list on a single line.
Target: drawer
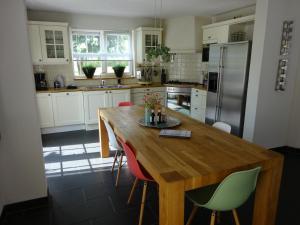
[(198, 114), (148, 90)]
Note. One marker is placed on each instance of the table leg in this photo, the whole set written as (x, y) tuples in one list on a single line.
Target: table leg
[(267, 194), (103, 138), (171, 203)]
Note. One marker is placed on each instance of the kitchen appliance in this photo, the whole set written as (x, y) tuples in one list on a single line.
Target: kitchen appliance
[(205, 53), (179, 99), (40, 81), (228, 71), (57, 84)]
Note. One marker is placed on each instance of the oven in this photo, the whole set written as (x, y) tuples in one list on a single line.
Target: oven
[(179, 99)]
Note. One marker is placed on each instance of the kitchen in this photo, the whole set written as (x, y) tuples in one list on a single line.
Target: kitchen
[(209, 70)]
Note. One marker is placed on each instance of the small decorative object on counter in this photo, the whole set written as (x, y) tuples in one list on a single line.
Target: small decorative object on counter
[(158, 116), (163, 115), (57, 84)]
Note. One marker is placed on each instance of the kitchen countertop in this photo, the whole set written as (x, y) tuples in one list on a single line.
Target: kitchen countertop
[(127, 86)]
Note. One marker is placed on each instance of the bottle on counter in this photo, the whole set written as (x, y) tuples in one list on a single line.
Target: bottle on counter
[(152, 118), (163, 115), (158, 116)]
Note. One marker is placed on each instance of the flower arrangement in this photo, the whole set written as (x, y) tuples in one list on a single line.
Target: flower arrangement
[(152, 100)]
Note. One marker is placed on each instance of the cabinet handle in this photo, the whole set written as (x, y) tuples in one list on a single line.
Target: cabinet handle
[(209, 37), (197, 91), (40, 60), (110, 92), (67, 60), (67, 93), (147, 89), (196, 95), (196, 108), (49, 95), (106, 92)]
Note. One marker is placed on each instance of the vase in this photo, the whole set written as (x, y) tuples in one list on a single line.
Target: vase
[(147, 115)]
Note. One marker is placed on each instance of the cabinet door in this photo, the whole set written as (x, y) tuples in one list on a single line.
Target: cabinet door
[(35, 44), (45, 109), (198, 114), (119, 96), (137, 98), (219, 34), (55, 45), (68, 108), (94, 100)]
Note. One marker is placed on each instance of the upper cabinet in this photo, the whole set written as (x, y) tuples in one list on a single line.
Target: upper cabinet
[(222, 32), (49, 42), (146, 38), (184, 34)]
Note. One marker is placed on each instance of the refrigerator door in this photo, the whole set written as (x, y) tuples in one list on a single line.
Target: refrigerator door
[(213, 84), (234, 85)]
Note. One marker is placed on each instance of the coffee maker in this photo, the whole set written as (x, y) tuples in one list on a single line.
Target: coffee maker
[(40, 81)]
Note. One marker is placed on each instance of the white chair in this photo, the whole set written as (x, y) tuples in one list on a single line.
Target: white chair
[(113, 142), (222, 126)]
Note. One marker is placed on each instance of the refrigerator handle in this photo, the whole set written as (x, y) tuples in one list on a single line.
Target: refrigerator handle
[(218, 86), (220, 83)]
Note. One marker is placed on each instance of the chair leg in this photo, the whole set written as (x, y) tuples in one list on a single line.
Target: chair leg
[(119, 170), (114, 163), (132, 190), (213, 218), (193, 213), (143, 203), (235, 216)]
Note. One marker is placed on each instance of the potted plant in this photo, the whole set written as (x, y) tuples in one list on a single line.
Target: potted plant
[(119, 71), (159, 54), (89, 70)]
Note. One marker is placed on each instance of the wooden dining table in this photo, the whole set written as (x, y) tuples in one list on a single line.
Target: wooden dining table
[(179, 165)]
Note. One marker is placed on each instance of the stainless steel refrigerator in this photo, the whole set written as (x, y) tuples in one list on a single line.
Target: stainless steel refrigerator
[(228, 70)]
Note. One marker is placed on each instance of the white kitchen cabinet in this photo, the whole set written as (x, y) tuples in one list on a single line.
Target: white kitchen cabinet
[(35, 44), (49, 42), (117, 96), (146, 38), (68, 108), (138, 94), (218, 34), (198, 104), (45, 109), (93, 100)]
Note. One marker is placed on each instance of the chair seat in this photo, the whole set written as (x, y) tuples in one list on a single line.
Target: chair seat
[(202, 195)]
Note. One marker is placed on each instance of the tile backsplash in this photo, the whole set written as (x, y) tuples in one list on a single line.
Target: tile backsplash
[(187, 67)]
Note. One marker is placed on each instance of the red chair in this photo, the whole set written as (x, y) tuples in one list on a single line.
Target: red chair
[(125, 104), (140, 174)]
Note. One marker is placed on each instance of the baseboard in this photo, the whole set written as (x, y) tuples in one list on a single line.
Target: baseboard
[(50, 130), (23, 206), (89, 127)]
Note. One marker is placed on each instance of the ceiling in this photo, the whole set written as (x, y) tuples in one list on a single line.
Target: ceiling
[(139, 8)]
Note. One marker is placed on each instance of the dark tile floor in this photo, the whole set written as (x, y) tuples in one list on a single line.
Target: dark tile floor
[(82, 192)]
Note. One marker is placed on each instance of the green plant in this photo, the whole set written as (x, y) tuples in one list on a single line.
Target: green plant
[(160, 50), (120, 65), (89, 65)]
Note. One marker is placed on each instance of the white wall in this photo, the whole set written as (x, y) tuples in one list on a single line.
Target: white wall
[(268, 111), (81, 21), (21, 153)]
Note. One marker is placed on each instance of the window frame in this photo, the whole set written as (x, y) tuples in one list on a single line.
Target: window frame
[(103, 51)]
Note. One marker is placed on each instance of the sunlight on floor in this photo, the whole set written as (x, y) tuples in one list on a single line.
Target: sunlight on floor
[(74, 159)]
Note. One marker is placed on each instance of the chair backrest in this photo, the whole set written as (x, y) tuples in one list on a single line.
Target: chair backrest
[(125, 104), (222, 126), (234, 190), (134, 167), (111, 136)]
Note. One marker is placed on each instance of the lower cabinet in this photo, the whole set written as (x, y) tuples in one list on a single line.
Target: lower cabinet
[(68, 108), (198, 104), (45, 109), (101, 99)]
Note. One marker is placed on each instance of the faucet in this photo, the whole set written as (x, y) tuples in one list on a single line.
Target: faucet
[(102, 82)]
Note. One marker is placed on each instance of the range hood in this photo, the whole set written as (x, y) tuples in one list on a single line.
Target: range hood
[(184, 34)]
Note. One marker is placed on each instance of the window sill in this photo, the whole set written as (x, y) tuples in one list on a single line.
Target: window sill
[(103, 78)]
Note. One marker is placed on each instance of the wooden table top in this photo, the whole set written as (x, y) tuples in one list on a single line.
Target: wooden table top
[(206, 158)]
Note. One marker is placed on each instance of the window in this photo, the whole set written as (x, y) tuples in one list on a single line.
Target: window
[(104, 49)]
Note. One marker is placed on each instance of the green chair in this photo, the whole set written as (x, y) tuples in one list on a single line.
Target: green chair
[(230, 194)]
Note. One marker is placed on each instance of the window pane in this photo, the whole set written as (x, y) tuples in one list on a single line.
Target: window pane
[(93, 44), (59, 37), (112, 43), (49, 37), (124, 44), (79, 43), (60, 51), (50, 51)]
